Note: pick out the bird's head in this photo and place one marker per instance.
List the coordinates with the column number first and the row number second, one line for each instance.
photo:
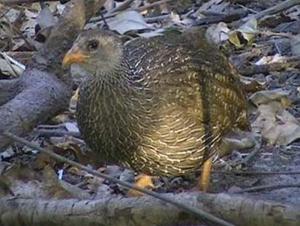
column 95, row 51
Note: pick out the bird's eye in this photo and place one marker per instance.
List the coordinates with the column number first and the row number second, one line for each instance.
column 92, row 45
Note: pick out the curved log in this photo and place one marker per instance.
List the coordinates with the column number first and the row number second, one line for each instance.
column 42, row 90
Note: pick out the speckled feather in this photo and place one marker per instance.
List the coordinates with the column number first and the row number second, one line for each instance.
column 164, row 106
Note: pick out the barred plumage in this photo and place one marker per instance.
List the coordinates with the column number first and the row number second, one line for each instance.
column 160, row 105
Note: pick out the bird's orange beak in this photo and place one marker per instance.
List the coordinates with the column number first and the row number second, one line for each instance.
column 74, row 56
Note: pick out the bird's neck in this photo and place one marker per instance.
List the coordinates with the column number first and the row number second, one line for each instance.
column 116, row 86
column 116, row 100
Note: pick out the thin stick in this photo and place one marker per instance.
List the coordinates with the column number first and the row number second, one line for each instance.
column 268, row 187
column 56, row 133
column 157, row 18
column 121, row 7
column 15, row 2
column 189, row 209
column 256, row 173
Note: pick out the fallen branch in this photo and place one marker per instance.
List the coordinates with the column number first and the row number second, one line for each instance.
column 125, row 5
column 270, row 11
column 290, row 62
column 277, row 8
column 56, row 132
column 226, row 18
column 42, row 90
column 145, row 211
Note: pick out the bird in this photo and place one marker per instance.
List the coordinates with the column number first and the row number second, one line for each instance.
column 159, row 105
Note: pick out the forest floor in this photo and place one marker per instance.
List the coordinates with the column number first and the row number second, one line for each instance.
column 264, row 49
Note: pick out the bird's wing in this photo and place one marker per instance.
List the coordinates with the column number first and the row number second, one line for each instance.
column 186, row 67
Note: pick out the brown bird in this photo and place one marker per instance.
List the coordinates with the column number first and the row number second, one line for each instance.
column 159, row 105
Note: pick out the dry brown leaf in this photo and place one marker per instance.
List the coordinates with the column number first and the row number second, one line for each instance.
column 276, row 124
column 128, row 21
column 267, row 96
column 230, row 144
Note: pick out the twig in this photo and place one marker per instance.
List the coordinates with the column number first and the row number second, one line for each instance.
column 121, row 7
column 246, row 8
column 14, row 2
column 56, row 132
column 16, row 67
column 227, row 18
column 256, row 173
column 197, row 212
column 156, row 18
column 270, row 33
column 58, row 126
column 277, row 8
column 18, row 64
column 273, row 10
column 289, row 62
column 268, row 187
column 105, row 25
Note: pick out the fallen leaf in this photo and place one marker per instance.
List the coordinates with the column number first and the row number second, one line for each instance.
column 267, row 96
column 217, row 33
column 244, row 34
column 128, row 21
column 230, row 144
column 276, row 124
